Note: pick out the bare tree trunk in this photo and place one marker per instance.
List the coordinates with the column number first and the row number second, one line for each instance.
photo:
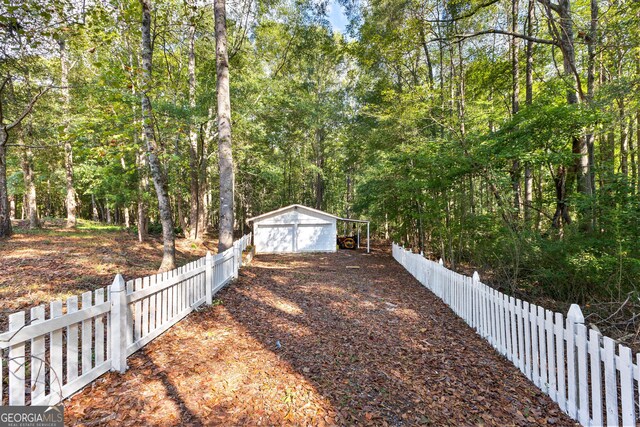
column 515, row 105
column 624, row 142
column 12, row 207
column 225, row 235
column 528, row 173
column 632, row 157
column 143, row 188
column 107, row 212
column 5, row 216
column 195, row 225
column 30, row 188
column 94, row 209
column 157, row 173
column 591, row 79
column 638, row 151
column 70, row 199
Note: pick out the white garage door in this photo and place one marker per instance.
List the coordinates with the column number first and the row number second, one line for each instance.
column 274, row 238
column 316, row 237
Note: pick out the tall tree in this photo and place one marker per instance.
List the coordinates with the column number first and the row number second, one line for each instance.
column 70, row 199
column 5, row 128
column 225, row 155
column 157, row 172
column 196, row 178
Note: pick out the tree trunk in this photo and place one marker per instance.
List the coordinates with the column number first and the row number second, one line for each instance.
column 107, row 212
column 561, row 214
column 94, row 209
column 225, row 235
column 5, row 215
column 624, row 143
column 515, row 105
column 528, row 173
column 157, row 173
column 195, row 226
column 143, row 188
column 638, row 151
column 591, row 79
column 30, row 188
column 70, row 199
column 579, row 144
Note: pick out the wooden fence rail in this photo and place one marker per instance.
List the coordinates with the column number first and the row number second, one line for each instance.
column 576, row 366
column 54, row 353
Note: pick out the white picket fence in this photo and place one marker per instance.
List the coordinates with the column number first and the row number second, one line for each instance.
column 577, row 367
column 49, row 357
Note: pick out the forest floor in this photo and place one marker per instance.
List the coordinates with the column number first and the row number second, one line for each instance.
column 42, row 265
column 333, row 339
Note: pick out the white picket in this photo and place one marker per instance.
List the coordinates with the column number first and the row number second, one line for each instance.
column 561, row 396
column 551, row 355
column 513, row 326
column 38, row 354
column 626, row 386
column 87, row 335
column 572, row 375
column 526, row 323
column 535, row 354
column 596, row 378
column 145, row 309
column 16, row 362
column 542, row 348
column 153, row 318
column 610, row 382
column 55, row 353
column 72, row 341
column 99, row 330
column 583, row 381
column 520, row 335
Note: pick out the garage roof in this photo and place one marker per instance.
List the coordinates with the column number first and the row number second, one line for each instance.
column 294, row 206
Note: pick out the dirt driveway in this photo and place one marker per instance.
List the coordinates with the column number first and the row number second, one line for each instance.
column 336, row 339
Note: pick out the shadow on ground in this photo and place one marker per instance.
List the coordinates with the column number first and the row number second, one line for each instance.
column 331, row 339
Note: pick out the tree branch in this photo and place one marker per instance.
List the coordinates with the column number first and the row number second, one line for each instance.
column 27, row 109
column 465, row 15
column 461, row 37
column 550, row 5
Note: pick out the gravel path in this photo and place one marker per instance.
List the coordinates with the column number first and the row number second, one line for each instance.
column 323, row 339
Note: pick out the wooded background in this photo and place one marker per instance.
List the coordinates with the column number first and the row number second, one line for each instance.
column 502, row 135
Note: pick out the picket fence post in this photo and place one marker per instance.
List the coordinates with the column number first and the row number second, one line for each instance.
column 118, row 322
column 208, row 277
column 574, row 318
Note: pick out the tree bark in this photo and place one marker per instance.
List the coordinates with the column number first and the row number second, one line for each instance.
column 94, row 209
column 195, row 222
column 225, row 155
column 143, row 188
column 528, row 173
column 5, row 210
column 515, row 105
column 157, row 173
column 30, row 188
column 624, row 142
column 70, row 199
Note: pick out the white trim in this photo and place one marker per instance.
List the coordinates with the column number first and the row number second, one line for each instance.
column 294, row 206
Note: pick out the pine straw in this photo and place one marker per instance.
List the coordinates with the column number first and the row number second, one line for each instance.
column 367, row 346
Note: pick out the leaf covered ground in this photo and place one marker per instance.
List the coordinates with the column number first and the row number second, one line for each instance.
column 39, row 266
column 335, row 339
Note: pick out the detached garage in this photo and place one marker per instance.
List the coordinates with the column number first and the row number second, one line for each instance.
column 294, row 229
